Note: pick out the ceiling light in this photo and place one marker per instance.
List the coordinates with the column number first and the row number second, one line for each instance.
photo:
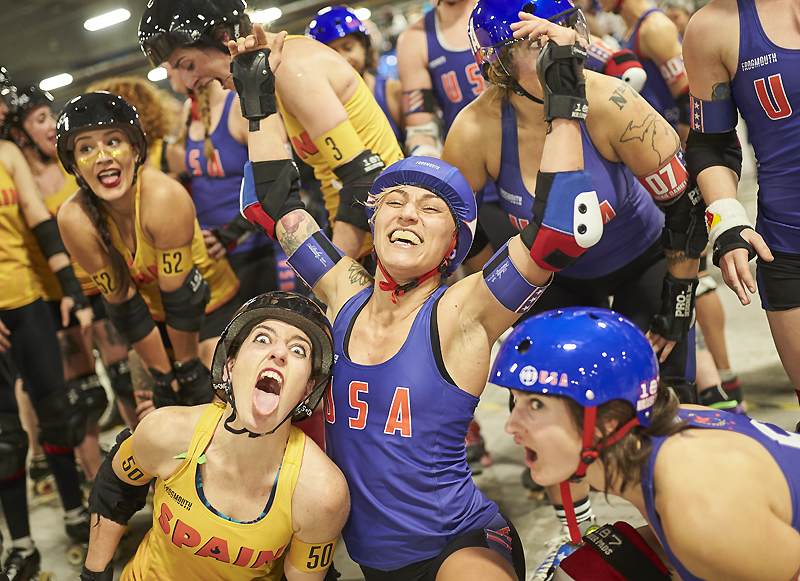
column 363, row 13
column 157, row 74
column 104, row 20
column 56, row 82
column 265, row 16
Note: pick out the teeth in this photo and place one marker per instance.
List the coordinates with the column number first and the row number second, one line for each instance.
column 405, row 236
column 271, row 375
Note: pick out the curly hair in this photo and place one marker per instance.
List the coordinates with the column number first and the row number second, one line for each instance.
column 150, row 103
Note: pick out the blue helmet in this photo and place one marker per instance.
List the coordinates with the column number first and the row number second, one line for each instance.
column 445, row 181
column 589, row 355
column 490, row 24
column 335, row 22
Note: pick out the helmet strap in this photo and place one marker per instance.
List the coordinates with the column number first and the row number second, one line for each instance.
column 399, row 290
column 518, row 90
column 617, row 7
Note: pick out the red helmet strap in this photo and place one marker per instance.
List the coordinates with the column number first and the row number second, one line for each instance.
column 399, row 290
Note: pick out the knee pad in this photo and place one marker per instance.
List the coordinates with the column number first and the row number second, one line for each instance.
column 13, row 446
column 62, row 421
column 685, row 390
column 90, row 396
column 120, row 375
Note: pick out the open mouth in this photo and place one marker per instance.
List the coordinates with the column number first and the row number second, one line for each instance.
column 267, row 393
column 530, row 457
column 404, row 237
column 109, row 178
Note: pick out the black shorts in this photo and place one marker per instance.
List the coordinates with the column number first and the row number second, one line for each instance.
column 779, row 282
column 95, row 301
column 214, row 322
column 499, row 535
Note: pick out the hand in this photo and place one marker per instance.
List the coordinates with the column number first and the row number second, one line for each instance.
column 735, row 267
column 256, row 41
column 85, row 318
column 67, row 303
column 660, row 344
column 5, row 344
column 543, row 30
column 213, row 246
column 145, row 405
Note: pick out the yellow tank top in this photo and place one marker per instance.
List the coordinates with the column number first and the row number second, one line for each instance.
column 189, row 541
column 155, row 154
column 47, row 280
column 373, row 128
column 18, row 286
column 144, row 272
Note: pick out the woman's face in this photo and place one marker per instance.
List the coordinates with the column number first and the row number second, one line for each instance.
column 41, row 128
column 544, row 426
column 105, row 159
column 413, row 230
column 271, row 374
column 3, row 110
column 353, row 49
column 199, row 66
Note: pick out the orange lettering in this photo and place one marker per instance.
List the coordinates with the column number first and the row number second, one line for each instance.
column 163, row 520
column 330, row 411
column 360, row 421
column 303, row 145
column 185, row 536
column 267, row 557
column 215, row 166
column 245, row 554
column 399, row 414
column 215, row 548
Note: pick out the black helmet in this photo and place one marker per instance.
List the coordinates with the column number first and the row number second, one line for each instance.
column 27, row 100
column 295, row 310
column 93, row 110
column 8, row 92
column 168, row 24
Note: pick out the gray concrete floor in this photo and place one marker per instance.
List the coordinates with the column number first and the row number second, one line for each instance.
column 752, row 355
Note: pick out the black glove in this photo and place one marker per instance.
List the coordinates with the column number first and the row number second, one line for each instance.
column 677, row 308
column 231, row 233
column 255, row 83
column 194, row 381
column 560, row 70
column 106, row 575
column 72, row 288
column 163, row 394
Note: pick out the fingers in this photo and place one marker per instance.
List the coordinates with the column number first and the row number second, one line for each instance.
column 533, row 27
column 668, row 347
column 736, row 274
column 66, row 308
column 276, row 50
column 85, row 318
column 758, row 243
column 657, row 342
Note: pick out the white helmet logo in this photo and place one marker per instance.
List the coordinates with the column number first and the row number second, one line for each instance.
column 528, row 375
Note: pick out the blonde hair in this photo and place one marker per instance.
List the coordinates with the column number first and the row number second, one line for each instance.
column 150, row 103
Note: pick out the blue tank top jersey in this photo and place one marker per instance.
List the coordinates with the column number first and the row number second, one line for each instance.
column 396, row 430
column 631, row 220
column 655, row 89
column 457, row 81
column 766, row 89
column 216, row 185
column 784, row 448
column 380, row 97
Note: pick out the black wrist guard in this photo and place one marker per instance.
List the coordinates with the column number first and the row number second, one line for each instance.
column 732, row 239
column 49, row 238
column 560, row 70
column 676, row 316
column 72, row 288
column 106, row 574
column 185, row 307
column 163, row 394
column 194, row 382
column 357, row 176
column 233, row 232
column 112, row 498
column 255, row 83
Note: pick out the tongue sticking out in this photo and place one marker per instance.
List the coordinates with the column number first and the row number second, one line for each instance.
column 265, row 402
column 110, row 179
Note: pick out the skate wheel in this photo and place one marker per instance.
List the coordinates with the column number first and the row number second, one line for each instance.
column 76, row 555
column 46, row 576
column 44, row 488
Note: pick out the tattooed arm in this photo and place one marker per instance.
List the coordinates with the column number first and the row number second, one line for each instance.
column 348, row 276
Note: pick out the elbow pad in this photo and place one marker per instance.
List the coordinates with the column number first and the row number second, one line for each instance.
column 185, row 307
column 270, row 190
column 49, row 238
column 704, row 150
column 131, row 318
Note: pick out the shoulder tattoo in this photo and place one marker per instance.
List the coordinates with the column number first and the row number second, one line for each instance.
column 358, row 275
column 721, row 91
column 646, row 132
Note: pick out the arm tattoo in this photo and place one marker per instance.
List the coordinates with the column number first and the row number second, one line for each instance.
column 618, row 97
column 721, row 91
column 358, row 275
column 297, row 226
column 647, row 132
column 676, row 257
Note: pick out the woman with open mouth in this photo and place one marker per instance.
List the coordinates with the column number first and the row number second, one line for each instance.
column 235, row 481
column 133, row 229
column 606, row 418
column 412, row 354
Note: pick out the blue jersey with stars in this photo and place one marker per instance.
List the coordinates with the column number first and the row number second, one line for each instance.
column 631, row 220
column 766, row 89
column 396, row 430
column 655, row 89
column 784, row 448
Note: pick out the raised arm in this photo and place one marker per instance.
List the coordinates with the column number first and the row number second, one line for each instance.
column 714, row 156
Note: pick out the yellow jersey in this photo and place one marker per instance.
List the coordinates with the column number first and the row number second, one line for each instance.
column 369, row 121
column 18, row 286
column 190, row 541
column 51, row 289
column 144, row 269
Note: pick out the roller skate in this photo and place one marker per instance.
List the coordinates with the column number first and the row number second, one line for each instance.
column 477, row 455
column 78, row 527
column 43, row 483
column 23, row 565
column 717, row 398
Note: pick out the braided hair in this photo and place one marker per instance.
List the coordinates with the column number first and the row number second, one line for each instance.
column 92, row 205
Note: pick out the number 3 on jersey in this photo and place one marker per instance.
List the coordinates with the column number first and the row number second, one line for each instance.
column 452, row 88
column 398, row 418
